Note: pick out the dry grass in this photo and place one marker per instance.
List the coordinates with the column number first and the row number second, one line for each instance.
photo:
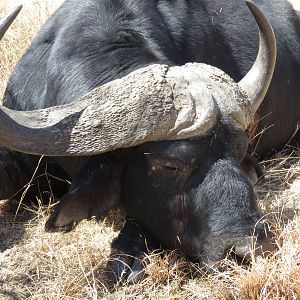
column 18, row 38
column 39, row 265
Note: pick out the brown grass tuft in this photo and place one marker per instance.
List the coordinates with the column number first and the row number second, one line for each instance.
column 276, row 277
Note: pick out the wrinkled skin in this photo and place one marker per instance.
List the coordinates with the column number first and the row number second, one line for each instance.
column 193, row 194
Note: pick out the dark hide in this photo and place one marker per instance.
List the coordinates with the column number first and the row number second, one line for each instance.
column 203, row 198
column 194, row 194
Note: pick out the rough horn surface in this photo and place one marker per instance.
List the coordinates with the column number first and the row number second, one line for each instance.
column 150, row 104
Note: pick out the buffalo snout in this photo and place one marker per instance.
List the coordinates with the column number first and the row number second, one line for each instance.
column 259, row 244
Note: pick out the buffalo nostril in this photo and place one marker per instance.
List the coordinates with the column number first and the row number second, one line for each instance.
column 265, row 248
column 261, row 231
column 244, row 251
column 260, row 244
column 264, row 245
column 241, row 248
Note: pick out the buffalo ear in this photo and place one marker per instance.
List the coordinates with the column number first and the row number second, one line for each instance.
column 93, row 193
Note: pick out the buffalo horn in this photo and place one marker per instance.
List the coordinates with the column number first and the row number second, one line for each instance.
column 137, row 108
column 151, row 104
column 6, row 21
column 256, row 82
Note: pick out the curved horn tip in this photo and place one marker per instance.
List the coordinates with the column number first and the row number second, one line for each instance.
column 16, row 10
column 256, row 82
column 8, row 19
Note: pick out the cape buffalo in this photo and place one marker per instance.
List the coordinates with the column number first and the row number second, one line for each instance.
column 168, row 141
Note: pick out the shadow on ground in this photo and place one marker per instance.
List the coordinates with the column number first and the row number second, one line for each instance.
column 12, row 224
